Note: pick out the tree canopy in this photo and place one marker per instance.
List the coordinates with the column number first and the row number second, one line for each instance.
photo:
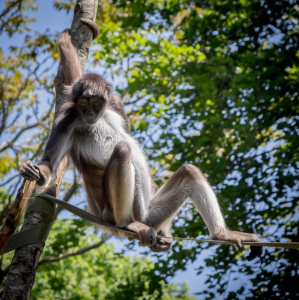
column 212, row 83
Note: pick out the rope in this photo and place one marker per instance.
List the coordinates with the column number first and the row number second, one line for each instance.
column 84, row 214
column 39, row 233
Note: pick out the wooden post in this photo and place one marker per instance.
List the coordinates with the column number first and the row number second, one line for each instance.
column 20, row 278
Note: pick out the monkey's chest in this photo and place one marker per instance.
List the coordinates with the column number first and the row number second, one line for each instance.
column 94, row 146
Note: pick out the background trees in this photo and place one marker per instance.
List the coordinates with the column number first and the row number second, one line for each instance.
column 213, row 83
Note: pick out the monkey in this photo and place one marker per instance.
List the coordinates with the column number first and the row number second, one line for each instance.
column 92, row 127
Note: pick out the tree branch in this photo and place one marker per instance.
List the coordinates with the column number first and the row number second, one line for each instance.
column 51, row 259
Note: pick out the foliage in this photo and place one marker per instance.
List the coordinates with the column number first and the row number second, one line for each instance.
column 97, row 274
column 12, row 17
column 215, row 83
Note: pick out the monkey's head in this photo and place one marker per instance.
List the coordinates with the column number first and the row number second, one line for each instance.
column 91, row 95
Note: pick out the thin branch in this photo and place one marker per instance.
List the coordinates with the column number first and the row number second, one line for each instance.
column 50, row 259
column 9, row 7
column 25, row 128
column 72, row 253
column 9, row 180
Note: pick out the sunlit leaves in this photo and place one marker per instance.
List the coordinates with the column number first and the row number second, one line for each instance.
column 231, row 108
column 15, row 17
column 97, row 274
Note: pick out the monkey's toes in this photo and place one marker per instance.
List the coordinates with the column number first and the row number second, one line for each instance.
column 238, row 238
column 147, row 237
column 162, row 245
column 255, row 251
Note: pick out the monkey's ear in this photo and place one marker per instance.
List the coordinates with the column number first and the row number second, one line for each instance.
column 108, row 89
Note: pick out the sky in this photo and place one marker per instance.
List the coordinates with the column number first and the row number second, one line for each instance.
column 47, row 16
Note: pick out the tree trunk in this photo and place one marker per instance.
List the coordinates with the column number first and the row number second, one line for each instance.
column 20, row 278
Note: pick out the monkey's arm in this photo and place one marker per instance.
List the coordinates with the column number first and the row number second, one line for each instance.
column 117, row 105
column 57, row 146
column 69, row 61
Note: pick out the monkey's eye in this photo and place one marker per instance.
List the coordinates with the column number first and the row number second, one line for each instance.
column 82, row 102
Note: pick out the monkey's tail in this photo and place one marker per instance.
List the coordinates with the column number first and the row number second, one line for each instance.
column 68, row 58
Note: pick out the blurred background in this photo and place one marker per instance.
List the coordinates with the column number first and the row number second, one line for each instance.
column 211, row 83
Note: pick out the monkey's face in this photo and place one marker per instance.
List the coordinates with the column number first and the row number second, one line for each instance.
column 91, row 108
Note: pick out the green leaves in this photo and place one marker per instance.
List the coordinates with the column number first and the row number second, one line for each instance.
column 15, row 16
column 215, row 84
column 100, row 273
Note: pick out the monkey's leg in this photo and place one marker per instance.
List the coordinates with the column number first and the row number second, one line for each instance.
column 122, row 206
column 189, row 182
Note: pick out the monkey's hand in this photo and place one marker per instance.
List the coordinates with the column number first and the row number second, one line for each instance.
column 163, row 243
column 237, row 238
column 32, row 172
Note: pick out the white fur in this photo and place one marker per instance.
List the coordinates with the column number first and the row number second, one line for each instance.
column 116, row 122
column 122, row 200
column 106, row 134
column 206, row 203
column 202, row 196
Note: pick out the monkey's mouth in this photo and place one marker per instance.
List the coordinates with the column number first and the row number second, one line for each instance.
column 90, row 120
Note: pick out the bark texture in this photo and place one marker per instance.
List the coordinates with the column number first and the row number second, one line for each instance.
column 16, row 213
column 20, row 278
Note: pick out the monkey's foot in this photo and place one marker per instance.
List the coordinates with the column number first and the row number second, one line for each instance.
column 237, row 238
column 147, row 236
column 163, row 244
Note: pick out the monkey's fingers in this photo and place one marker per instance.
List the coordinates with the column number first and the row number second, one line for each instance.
column 147, row 237
column 32, row 170
column 29, row 172
column 42, row 177
column 27, row 176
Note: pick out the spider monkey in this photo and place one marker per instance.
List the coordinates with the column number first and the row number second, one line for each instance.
column 92, row 127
